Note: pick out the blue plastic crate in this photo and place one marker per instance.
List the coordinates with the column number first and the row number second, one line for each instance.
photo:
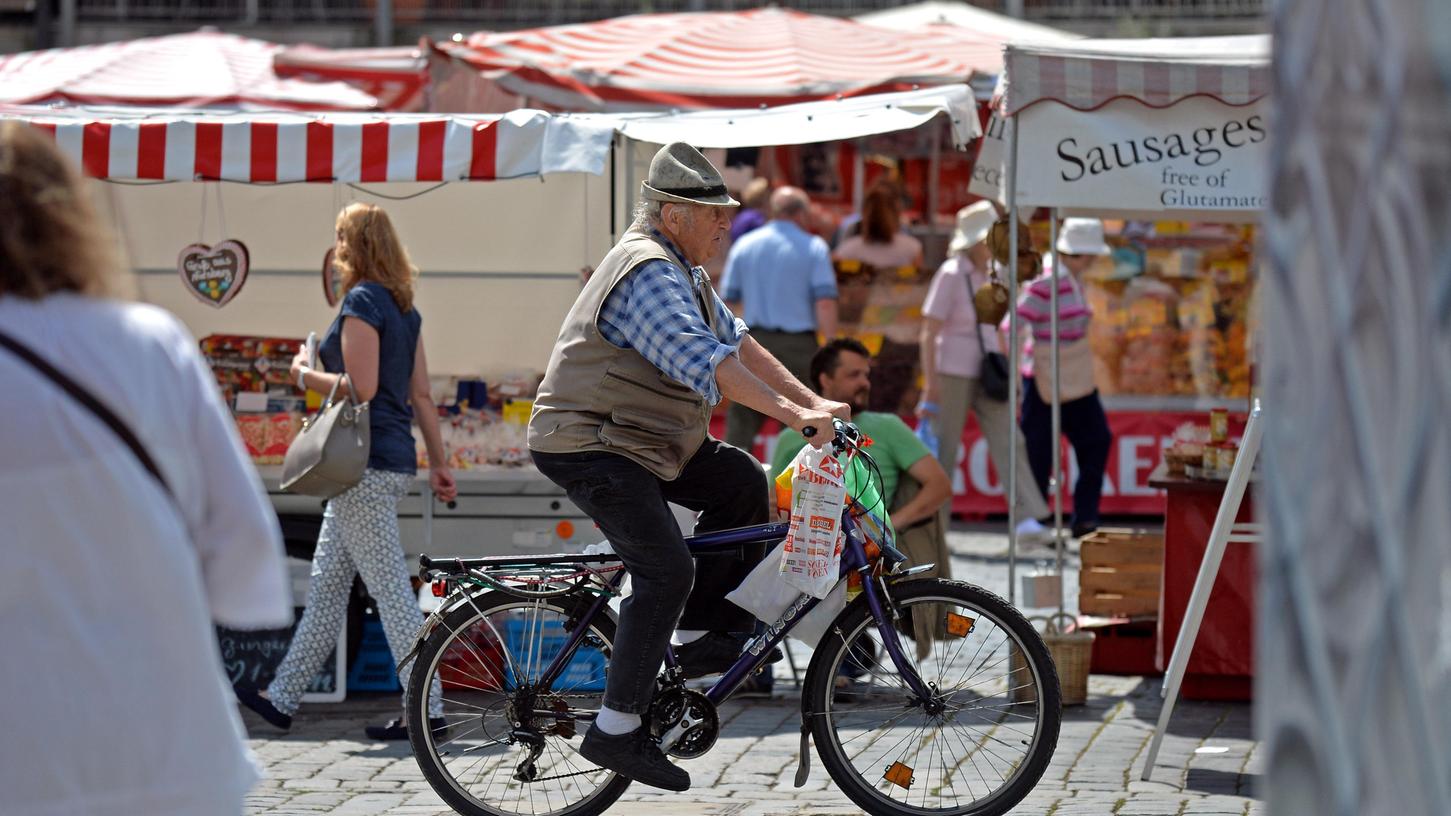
column 373, row 669
column 585, row 672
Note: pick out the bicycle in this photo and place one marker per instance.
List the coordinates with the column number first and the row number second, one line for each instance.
column 522, row 644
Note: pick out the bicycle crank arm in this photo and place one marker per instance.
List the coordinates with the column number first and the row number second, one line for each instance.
column 671, row 737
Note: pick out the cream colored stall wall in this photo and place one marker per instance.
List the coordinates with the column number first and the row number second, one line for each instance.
column 499, row 260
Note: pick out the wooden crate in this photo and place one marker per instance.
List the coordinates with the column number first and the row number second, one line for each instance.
column 1121, row 573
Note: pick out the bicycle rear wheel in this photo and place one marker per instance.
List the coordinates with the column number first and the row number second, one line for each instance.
column 982, row 741
column 508, row 746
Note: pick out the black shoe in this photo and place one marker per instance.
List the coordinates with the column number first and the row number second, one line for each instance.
column 396, row 730
column 263, row 707
column 1083, row 528
column 712, row 654
column 634, row 756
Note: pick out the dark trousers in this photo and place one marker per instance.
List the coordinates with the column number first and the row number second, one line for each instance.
column 727, row 487
column 794, row 350
column 1086, row 426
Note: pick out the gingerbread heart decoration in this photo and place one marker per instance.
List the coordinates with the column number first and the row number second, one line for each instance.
column 214, row 274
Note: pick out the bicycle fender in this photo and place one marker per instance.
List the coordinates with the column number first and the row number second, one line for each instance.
column 803, row 766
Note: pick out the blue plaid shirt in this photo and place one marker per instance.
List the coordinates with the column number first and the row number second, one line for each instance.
column 653, row 311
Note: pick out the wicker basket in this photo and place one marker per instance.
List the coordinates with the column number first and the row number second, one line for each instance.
column 1071, row 650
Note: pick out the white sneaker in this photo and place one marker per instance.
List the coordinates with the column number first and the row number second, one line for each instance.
column 1031, row 532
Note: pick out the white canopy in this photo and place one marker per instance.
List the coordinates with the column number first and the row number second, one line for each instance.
column 1156, row 126
column 807, row 122
column 988, row 25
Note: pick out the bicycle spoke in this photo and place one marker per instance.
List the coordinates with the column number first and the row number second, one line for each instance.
column 495, row 653
column 972, row 738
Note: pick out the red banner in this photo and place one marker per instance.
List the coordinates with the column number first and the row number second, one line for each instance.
column 1139, row 438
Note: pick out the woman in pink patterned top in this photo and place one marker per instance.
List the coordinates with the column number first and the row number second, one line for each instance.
column 1083, row 420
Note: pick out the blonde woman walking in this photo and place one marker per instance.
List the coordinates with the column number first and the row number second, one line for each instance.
column 375, row 342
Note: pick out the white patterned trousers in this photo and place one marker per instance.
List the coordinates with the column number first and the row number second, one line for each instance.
column 359, row 536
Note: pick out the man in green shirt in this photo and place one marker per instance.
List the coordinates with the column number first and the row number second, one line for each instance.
column 839, row 371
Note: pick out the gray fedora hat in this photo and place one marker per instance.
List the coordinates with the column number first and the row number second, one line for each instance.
column 681, row 174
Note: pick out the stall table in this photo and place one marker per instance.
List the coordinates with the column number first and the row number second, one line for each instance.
column 1221, row 666
column 500, row 511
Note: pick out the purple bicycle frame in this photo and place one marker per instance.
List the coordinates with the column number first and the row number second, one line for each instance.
column 853, row 558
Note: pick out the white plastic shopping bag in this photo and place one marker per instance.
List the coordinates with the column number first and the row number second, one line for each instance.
column 765, row 595
column 811, row 553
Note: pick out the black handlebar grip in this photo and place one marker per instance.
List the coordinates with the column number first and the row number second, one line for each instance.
column 425, row 562
column 808, row 432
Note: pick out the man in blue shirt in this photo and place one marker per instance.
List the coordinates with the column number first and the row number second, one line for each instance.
column 782, row 275
column 621, row 423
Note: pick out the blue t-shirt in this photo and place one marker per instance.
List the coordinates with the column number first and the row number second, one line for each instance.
column 778, row 272
column 392, row 418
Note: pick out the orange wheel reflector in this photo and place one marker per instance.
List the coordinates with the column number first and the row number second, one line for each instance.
column 440, row 589
column 899, row 775
column 959, row 625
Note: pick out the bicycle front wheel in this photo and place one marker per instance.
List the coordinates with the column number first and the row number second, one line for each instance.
column 982, row 740
column 507, row 745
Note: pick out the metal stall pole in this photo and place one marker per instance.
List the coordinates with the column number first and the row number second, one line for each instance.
column 934, row 184
column 858, row 175
column 1013, row 355
column 629, row 146
column 1055, row 480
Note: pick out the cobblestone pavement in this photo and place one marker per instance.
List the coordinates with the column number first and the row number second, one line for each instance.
column 1208, row 764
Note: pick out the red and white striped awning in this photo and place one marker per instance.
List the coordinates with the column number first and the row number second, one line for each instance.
column 767, row 56
column 343, row 147
column 396, row 77
column 1088, row 74
column 194, row 70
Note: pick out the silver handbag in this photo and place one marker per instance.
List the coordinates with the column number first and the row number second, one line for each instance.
column 330, row 453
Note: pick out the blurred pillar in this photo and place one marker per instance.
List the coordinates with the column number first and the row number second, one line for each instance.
column 1354, row 629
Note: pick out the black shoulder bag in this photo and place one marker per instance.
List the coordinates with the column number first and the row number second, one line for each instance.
column 992, row 374
column 84, row 398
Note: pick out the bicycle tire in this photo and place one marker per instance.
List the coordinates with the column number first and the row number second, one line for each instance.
column 822, row 690
column 462, row 619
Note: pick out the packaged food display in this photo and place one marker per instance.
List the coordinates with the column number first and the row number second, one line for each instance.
column 245, row 364
column 1172, row 313
column 251, row 364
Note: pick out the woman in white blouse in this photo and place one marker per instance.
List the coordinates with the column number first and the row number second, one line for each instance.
column 110, row 578
column 952, row 348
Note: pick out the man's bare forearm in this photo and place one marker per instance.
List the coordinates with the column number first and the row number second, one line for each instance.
column 738, row 383
column 769, row 370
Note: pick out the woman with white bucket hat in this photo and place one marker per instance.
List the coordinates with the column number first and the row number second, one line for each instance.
column 1080, row 243
column 953, row 344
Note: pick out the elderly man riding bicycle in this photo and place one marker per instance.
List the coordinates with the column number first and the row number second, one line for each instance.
column 620, row 423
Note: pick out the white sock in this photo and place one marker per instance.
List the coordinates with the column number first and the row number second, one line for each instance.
column 614, row 722
column 684, row 636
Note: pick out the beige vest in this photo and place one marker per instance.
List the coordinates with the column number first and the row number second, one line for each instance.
column 599, row 397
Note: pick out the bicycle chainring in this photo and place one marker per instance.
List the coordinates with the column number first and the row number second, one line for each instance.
column 688, row 719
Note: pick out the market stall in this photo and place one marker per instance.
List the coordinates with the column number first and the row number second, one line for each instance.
column 881, row 310
column 226, row 218
column 1143, row 131
column 1165, row 140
